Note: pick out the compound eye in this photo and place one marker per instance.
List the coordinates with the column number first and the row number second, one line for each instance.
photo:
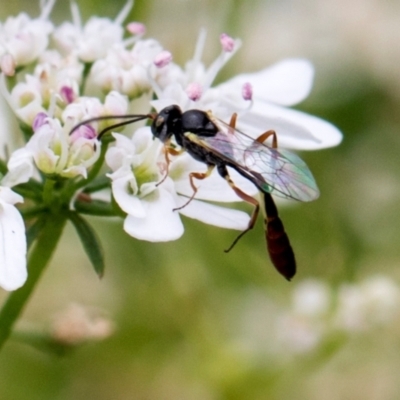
column 159, row 121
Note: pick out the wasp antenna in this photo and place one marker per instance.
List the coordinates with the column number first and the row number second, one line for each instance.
column 111, row 127
column 131, row 117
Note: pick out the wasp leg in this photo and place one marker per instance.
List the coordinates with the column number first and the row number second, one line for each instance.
column 262, row 138
column 278, row 244
column 196, row 175
column 168, row 150
column 232, row 123
column 249, row 199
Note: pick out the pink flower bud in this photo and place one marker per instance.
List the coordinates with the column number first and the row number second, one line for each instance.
column 194, row 91
column 39, row 121
column 247, row 91
column 84, row 131
column 67, row 94
column 136, row 28
column 162, row 59
column 227, row 43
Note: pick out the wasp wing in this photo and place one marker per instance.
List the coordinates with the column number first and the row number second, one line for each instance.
column 279, row 172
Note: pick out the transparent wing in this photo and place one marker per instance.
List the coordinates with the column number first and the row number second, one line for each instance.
column 279, row 172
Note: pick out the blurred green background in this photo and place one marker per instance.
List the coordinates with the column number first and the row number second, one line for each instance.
column 194, row 323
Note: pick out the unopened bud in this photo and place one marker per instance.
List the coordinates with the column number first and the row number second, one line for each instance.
column 227, row 43
column 163, row 59
column 39, row 120
column 247, row 91
column 84, row 131
column 67, row 94
column 136, row 28
column 194, row 91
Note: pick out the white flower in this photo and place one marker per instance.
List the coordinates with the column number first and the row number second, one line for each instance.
column 92, row 41
column 127, row 71
column 12, row 241
column 25, row 98
column 372, row 302
column 311, row 298
column 138, row 167
column 298, row 333
column 284, row 84
column 24, row 39
column 60, row 75
column 190, row 88
column 89, row 107
column 54, row 151
column 302, row 327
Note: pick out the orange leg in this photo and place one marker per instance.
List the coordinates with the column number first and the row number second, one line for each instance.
column 278, row 244
column 245, row 197
column 233, row 120
column 196, row 175
column 262, row 138
column 168, row 150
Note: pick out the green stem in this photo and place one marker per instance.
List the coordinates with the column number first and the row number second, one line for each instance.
column 95, row 207
column 38, row 259
column 48, row 191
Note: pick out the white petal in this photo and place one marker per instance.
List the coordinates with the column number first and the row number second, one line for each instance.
column 295, row 129
column 10, row 197
column 215, row 215
column 286, row 83
column 172, row 94
column 160, row 224
column 13, row 272
column 116, row 156
column 20, row 168
column 115, row 104
column 128, row 202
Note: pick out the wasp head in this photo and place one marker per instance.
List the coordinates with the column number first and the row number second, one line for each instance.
column 167, row 123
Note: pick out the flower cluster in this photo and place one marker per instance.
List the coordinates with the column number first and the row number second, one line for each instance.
column 318, row 317
column 55, row 77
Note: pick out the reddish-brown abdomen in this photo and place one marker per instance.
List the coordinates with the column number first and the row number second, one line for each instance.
column 279, row 248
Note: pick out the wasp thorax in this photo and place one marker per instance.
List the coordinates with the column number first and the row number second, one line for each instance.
column 198, row 122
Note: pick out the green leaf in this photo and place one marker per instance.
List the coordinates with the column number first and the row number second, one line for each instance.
column 90, row 242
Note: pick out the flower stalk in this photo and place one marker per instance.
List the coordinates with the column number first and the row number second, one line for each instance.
column 39, row 258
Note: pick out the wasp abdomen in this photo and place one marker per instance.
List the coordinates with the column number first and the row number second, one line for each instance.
column 279, row 248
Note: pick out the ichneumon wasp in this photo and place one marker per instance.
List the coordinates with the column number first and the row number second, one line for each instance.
column 220, row 145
